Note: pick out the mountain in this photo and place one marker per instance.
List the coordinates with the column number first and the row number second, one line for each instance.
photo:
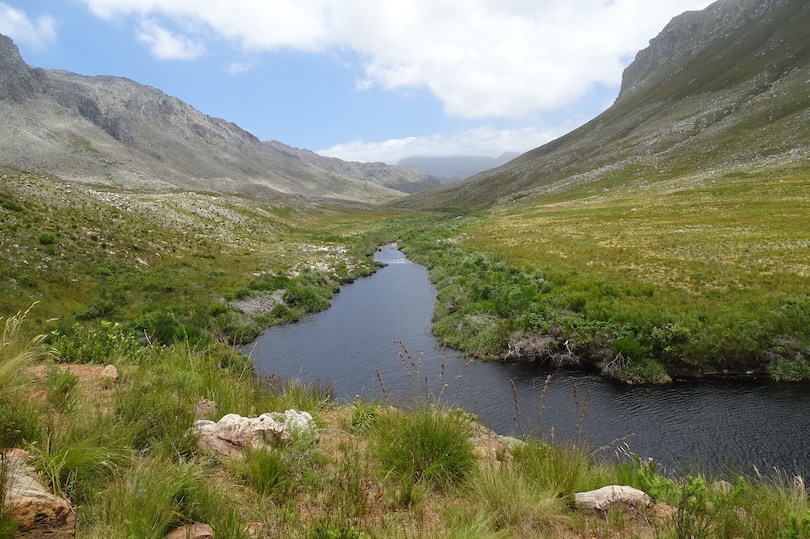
column 718, row 91
column 114, row 131
column 450, row 169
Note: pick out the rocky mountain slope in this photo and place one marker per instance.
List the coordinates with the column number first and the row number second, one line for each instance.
column 109, row 130
column 719, row 91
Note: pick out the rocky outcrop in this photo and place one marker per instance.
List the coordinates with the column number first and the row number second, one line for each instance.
column 18, row 82
column 233, row 433
column 612, row 496
column 687, row 36
column 40, row 513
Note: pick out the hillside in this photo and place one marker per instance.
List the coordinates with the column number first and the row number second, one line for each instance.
column 665, row 238
column 719, row 91
column 116, row 132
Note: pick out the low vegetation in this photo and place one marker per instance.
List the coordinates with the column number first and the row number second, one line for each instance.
column 122, row 451
column 640, row 281
column 161, row 286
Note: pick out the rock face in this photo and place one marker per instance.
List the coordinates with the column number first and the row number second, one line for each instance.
column 114, row 131
column 687, row 36
column 233, row 433
column 40, row 513
column 614, row 495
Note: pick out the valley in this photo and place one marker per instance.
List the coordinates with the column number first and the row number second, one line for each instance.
column 663, row 245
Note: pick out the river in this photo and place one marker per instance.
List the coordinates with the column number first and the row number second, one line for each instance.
column 378, row 329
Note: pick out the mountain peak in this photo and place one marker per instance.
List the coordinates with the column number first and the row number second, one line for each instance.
column 18, row 82
column 685, row 39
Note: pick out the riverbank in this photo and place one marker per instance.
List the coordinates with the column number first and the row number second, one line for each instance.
column 121, row 448
column 620, row 325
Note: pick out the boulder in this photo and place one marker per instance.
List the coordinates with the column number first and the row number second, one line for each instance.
column 110, row 373
column 606, row 497
column 232, row 433
column 40, row 513
column 192, row 531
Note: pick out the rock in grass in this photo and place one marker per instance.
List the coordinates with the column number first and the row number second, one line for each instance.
column 614, row 495
column 193, row 531
column 39, row 512
column 204, row 408
column 110, row 373
column 233, row 433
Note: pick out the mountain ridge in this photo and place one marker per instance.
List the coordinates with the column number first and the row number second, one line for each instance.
column 114, row 131
column 733, row 97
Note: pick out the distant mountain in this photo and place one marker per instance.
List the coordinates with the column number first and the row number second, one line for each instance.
column 450, row 169
column 114, row 131
column 718, row 91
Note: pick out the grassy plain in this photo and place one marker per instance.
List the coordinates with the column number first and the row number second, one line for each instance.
column 692, row 275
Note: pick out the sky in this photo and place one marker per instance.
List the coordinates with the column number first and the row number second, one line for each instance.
column 362, row 80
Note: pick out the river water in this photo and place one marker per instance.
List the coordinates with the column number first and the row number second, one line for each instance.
column 378, row 330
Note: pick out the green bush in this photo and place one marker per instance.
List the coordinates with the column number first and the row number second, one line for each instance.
column 97, row 309
column 95, row 345
column 363, row 415
column 47, row 238
column 783, row 370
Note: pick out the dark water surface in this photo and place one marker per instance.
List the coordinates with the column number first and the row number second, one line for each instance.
column 710, row 424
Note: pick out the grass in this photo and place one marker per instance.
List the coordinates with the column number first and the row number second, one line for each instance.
column 703, row 274
column 428, row 445
column 122, row 454
column 150, row 283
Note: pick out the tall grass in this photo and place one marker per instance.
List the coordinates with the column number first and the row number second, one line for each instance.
column 16, row 355
column 509, row 499
column 427, row 445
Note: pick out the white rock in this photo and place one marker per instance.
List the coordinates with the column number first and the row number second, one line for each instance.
column 232, row 433
column 606, row 497
column 39, row 512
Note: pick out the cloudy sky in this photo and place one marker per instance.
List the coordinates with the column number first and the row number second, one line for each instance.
column 363, row 80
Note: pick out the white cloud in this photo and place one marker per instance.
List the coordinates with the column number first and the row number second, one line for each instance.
column 167, row 46
column 16, row 24
column 482, row 141
column 237, row 68
column 482, row 58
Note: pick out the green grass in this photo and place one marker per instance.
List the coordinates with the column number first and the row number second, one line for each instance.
column 705, row 275
column 428, row 445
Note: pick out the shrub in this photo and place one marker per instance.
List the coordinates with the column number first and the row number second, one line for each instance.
column 783, row 370
column 47, row 238
column 97, row 309
column 95, row 345
column 425, row 445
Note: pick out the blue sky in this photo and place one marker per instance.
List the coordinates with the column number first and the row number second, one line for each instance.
column 363, row 80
